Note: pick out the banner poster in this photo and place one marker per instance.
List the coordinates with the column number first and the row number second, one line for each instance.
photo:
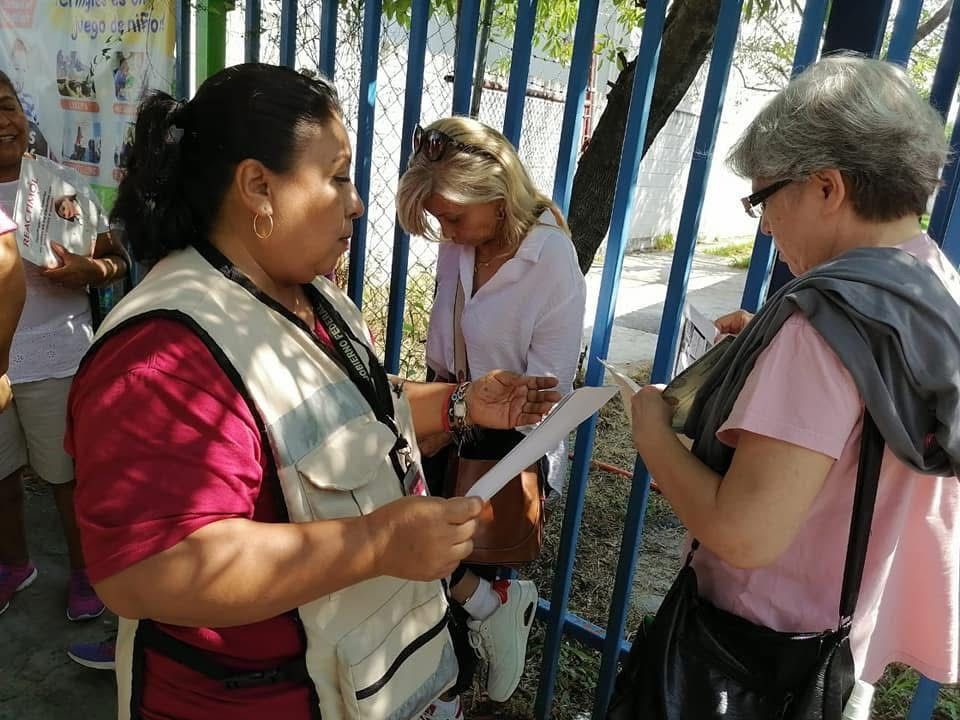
column 80, row 68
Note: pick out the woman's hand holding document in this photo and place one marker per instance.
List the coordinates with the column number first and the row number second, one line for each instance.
column 568, row 414
column 700, row 345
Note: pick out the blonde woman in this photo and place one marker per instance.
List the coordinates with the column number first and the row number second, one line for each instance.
column 509, row 248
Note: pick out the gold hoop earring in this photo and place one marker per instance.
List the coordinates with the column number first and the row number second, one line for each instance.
column 256, row 230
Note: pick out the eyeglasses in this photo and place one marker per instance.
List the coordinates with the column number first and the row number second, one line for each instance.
column 434, row 144
column 750, row 202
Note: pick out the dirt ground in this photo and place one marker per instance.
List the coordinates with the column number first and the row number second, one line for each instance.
column 37, row 679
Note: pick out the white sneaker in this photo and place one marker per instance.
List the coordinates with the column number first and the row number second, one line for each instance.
column 501, row 639
column 443, row 710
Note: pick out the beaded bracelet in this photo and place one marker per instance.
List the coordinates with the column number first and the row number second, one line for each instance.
column 458, row 424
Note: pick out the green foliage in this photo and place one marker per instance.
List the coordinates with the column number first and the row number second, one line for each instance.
column 761, row 8
column 738, row 253
column 664, row 241
column 895, row 690
column 416, row 319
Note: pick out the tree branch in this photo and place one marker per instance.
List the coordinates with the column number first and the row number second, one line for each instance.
column 932, row 23
column 748, row 86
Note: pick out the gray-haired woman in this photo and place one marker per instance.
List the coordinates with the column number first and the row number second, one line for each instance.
column 843, row 162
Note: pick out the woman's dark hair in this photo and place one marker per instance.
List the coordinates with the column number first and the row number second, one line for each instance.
column 6, row 82
column 184, row 153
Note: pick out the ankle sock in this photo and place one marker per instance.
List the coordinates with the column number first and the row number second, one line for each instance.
column 484, row 602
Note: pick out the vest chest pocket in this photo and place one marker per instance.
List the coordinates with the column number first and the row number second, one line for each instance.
column 350, row 474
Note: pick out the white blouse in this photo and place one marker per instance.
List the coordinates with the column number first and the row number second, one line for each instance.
column 527, row 318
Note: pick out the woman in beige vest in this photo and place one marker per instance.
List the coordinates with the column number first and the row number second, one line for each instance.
column 247, row 473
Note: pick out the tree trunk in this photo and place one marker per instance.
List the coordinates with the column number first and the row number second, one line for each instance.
column 932, row 23
column 687, row 40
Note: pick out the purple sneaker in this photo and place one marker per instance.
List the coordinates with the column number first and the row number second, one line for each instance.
column 13, row 579
column 82, row 601
column 94, row 655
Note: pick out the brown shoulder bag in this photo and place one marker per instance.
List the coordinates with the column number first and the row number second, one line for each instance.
column 510, row 529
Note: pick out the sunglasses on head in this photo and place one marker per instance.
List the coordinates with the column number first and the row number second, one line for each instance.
column 434, row 144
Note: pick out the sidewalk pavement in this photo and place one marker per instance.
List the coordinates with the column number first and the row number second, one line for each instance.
column 714, row 288
column 37, row 679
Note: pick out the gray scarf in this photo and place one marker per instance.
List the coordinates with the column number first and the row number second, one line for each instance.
column 895, row 327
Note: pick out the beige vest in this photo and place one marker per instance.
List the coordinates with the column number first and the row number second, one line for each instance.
column 377, row 650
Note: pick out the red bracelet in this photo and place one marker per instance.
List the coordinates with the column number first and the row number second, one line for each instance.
column 445, row 414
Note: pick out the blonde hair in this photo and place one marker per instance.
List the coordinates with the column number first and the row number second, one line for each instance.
column 472, row 178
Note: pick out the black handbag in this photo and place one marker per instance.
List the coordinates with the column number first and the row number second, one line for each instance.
column 694, row 661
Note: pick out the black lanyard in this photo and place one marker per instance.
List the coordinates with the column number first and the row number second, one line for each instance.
column 368, row 376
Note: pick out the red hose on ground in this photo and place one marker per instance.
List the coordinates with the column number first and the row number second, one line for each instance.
column 607, row 467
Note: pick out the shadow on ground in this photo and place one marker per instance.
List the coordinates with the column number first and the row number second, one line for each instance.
column 37, row 679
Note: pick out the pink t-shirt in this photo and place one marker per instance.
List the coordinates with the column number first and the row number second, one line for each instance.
column 799, row 392
column 164, row 445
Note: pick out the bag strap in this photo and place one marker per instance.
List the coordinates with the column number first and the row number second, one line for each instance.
column 461, row 367
column 864, row 500
column 865, row 496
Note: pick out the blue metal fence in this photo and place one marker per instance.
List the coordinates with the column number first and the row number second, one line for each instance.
column 945, row 226
column 363, row 153
column 401, row 241
column 636, row 130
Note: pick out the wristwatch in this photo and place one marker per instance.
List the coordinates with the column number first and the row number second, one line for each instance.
column 458, row 409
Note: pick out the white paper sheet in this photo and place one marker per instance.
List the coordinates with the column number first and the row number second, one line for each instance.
column 628, row 387
column 565, row 416
column 697, row 335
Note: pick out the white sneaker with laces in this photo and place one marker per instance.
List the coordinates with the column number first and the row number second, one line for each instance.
column 501, row 639
column 443, row 710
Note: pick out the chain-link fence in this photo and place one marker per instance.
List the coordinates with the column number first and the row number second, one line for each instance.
column 543, row 118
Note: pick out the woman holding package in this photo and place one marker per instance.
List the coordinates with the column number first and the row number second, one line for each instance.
column 55, row 330
column 247, row 473
column 860, row 350
column 509, row 294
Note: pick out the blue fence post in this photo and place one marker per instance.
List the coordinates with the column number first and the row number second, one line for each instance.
column 924, row 700
column 761, row 261
column 519, row 69
column 251, row 37
column 725, row 39
column 951, row 236
column 182, row 75
column 288, row 32
column 583, row 42
column 947, row 196
column 468, row 23
column 416, row 54
column 642, row 91
column 904, row 28
column 948, row 66
column 857, row 25
column 328, row 37
column 367, row 101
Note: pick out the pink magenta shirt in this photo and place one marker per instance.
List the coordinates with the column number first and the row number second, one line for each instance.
column 800, row 393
